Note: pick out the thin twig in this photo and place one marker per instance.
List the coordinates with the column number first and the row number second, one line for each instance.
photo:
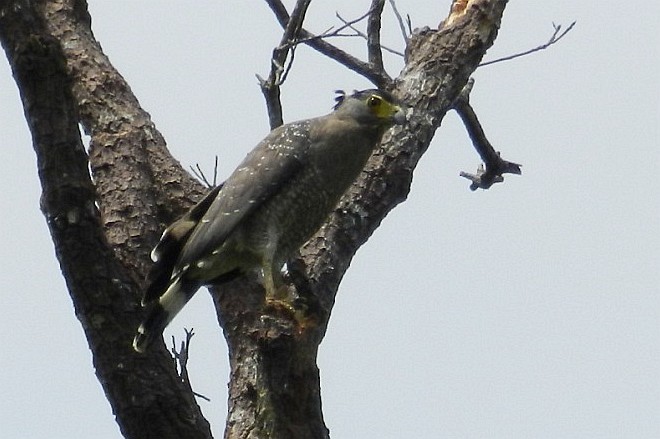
column 378, row 78
column 289, row 65
column 399, row 20
column 359, row 33
column 181, row 358
column 288, row 43
column 495, row 166
column 374, row 51
column 215, row 172
column 292, row 29
column 199, row 173
column 279, row 69
column 332, row 32
column 556, row 36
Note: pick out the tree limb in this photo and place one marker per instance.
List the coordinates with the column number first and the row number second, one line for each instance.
column 429, row 88
column 374, row 52
column 119, row 128
column 278, row 69
column 378, row 78
column 556, row 36
column 144, row 392
column 274, row 389
column 495, row 166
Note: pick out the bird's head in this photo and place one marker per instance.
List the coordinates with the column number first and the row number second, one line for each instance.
column 372, row 107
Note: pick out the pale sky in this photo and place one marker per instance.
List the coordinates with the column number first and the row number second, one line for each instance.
column 527, row 311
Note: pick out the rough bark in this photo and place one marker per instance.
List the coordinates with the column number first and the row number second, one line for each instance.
column 98, row 260
column 65, row 79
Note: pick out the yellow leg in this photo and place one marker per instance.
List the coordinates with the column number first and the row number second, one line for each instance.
column 275, row 288
column 278, row 297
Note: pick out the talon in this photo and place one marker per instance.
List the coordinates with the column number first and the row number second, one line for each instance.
column 298, row 315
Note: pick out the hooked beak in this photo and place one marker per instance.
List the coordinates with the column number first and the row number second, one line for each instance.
column 400, row 116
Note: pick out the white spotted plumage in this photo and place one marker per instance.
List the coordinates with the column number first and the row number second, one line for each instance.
column 268, row 207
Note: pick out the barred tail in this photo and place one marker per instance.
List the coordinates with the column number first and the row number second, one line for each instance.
column 162, row 311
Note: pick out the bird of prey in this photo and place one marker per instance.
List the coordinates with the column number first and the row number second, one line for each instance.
column 276, row 199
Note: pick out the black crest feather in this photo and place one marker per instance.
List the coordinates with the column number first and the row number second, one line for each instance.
column 359, row 94
column 341, row 94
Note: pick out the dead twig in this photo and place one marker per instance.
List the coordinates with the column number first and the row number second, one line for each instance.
column 199, row 174
column 336, row 32
column 556, row 36
column 495, row 166
column 181, row 361
column 399, row 20
column 373, row 42
column 271, row 87
column 378, row 77
column 359, row 33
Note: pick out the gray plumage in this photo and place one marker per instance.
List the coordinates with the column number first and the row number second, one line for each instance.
column 276, row 199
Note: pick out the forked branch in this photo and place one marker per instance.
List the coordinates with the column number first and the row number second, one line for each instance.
column 199, row 174
column 556, row 36
column 181, row 357
column 279, row 68
column 359, row 33
column 376, row 76
column 495, row 166
column 339, row 31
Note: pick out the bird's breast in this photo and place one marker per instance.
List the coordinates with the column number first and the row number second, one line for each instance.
column 290, row 217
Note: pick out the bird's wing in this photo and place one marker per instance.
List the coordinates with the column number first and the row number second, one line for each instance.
column 167, row 251
column 268, row 167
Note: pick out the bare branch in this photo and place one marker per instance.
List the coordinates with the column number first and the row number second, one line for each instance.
column 215, row 172
column 181, row 359
column 279, row 69
column 556, row 36
column 199, row 174
column 358, row 33
column 373, row 34
column 280, row 11
column 332, row 32
column 378, row 78
column 399, row 20
column 495, row 165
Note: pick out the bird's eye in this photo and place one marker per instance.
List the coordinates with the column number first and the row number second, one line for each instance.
column 373, row 101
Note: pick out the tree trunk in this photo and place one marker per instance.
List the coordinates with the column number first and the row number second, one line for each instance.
column 65, row 80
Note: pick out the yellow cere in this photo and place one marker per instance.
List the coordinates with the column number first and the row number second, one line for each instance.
column 380, row 107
